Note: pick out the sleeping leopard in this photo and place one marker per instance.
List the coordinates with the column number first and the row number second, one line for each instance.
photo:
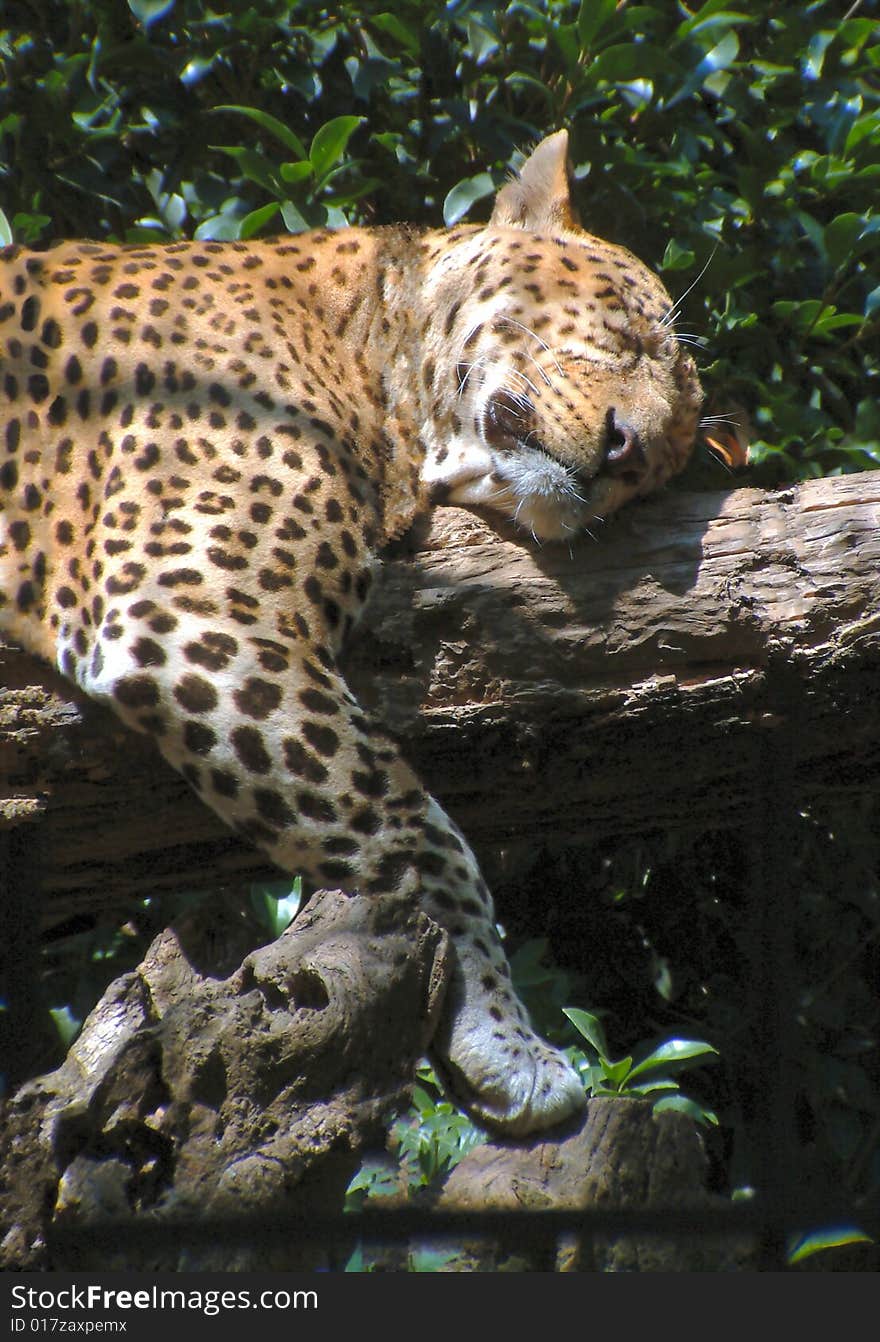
column 205, row 447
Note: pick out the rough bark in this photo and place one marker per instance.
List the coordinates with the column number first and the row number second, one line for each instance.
column 638, row 1175
column 623, row 1156
column 211, row 1120
column 620, row 687
column 626, row 686
column 207, row 1088
column 211, row 1114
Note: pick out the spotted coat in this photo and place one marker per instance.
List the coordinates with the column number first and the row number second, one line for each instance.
column 204, row 447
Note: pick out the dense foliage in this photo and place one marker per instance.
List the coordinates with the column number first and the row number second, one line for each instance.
column 737, row 149
column 745, row 143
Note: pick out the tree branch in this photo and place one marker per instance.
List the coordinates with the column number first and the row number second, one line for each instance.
column 621, row 687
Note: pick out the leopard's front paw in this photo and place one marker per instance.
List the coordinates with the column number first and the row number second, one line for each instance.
column 508, row 1078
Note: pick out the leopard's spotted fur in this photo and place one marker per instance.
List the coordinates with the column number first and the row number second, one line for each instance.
column 205, row 445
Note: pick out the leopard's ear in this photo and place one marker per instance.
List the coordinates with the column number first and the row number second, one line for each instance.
column 539, row 199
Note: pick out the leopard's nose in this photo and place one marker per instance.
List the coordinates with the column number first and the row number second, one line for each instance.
column 624, row 453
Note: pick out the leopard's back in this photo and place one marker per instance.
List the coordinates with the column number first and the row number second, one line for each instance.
column 176, row 418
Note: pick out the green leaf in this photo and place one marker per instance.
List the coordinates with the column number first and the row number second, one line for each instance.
column 592, row 17
column 328, row 144
column 617, row 1072
column 527, row 85
column 431, row 1260
column 589, row 1073
column 840, row 235
column 270, row 124
column 830, row 1238
column 464, row 194
column 565, row 35
column 422, row 1100
column 394, row 28
column 814, row 58
column 276, row 902
column 645, row 1088
column 66, row 1023
column 718, row 17
column 848, row 234
column 721, row 57
column 835, row 321
column 295, row 172
column 590, row 1027
column 356, row 1262
column 711, row 10
column 253, row 222
column 862, row 127
column 348, row 195
column 375, row 1179
column 333, row 217
column 674, row 1050
column 195, row 71
column 219, row 228
column 252, row 164
column 483, row 42
column 681, row 1104
column 148, row 12
column 677, row 257
column 294, row 220
column 28, row 227
column 627, row 61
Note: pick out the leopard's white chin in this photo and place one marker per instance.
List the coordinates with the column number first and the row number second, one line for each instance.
column 534, row 490
column 539, row 494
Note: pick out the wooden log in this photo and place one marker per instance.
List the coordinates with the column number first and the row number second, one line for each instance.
column 627, row 686
column 620, row 686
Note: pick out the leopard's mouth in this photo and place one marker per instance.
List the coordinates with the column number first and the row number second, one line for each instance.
column 542, row 495
column 513, row 468
column 547, row 495
column 510, row 424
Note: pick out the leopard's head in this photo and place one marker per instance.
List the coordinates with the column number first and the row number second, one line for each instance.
column 574, row 393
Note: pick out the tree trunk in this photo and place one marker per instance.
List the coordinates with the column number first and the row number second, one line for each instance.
column 628, row 686
column 624, row 1156
column 623, row 687
column 208, row 1090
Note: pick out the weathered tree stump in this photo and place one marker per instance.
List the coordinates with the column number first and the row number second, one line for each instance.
column 199, row 1095
column 623, row 1156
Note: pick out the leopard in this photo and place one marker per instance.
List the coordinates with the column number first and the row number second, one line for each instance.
column 207, row 448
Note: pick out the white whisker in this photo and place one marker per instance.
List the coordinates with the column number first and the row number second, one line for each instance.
column 507, row 373
column 708, row 420
column 699, row 342
column 673, row 312
column 534, row 335
column 515, row 372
